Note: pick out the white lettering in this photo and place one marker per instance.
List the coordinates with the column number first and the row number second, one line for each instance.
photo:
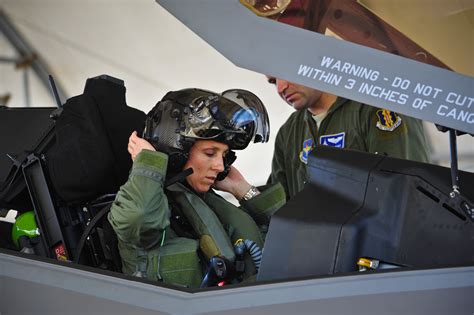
column 455, row 113
column 350, row 84
column 401, row 83
column 327, row 61
column 403, row 99
column 336, row 66
column 439, row 110
column 452, row 113
column 459, row 100
column 316, row 73
column 420, row 103
column 426, row 90
column 448, row 98
column 346, row 67
column 388, row 95
column 303, row 70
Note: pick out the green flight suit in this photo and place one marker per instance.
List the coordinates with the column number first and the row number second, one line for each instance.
column 140, row 216
column 348, row 124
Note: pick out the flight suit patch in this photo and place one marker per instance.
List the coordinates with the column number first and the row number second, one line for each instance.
column 387, row 120
column 336, row 140
column 307, row 148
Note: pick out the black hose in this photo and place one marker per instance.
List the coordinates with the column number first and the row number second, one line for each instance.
column 255, row 252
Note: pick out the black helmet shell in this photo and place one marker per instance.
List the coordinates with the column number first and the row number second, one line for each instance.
column 234, row 117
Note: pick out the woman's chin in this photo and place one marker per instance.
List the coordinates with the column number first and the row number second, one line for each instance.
column 202, row 188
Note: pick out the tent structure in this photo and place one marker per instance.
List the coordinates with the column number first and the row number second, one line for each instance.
column 141, row 43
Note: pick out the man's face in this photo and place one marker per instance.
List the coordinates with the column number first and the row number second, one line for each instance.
column 297, row 96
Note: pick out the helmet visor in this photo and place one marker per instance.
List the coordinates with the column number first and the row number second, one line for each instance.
column 254, row 109
column 235, row 118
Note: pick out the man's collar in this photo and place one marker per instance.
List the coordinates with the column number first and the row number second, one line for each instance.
column 336, row 105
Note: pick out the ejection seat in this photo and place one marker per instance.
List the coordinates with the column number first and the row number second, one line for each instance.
column 66, row 164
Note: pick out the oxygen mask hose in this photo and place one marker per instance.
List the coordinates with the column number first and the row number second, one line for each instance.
column 253, row 249
column 239, row 249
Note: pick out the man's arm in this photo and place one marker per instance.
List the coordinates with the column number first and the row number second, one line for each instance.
column 278, row 174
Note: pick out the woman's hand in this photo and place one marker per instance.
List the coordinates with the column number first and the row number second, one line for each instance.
column 234, row 183
column 137, row 144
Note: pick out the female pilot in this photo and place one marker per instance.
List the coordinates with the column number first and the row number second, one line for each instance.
column 170, row 224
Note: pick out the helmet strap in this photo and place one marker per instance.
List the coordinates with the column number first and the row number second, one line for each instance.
column 179, row 177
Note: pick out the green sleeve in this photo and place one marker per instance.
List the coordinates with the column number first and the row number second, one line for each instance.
column 140, row 212
column 264, row 205
column 278, row 174
column 405, row 141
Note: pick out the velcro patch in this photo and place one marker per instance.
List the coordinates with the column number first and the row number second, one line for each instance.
column 307, row 148
column 387, row 120
column 336, row 140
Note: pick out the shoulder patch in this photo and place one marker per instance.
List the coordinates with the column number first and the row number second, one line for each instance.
column 307, row 148
column 387, row 120
column 336, row 140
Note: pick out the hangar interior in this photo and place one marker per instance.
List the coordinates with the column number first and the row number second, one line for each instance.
column 141, row 43
column 144, row 45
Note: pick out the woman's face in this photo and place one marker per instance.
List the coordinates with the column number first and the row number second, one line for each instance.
column 206, row 158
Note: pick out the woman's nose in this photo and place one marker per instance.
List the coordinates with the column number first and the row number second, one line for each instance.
column 218, row 164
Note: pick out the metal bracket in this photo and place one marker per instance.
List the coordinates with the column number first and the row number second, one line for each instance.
column 45, row 211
